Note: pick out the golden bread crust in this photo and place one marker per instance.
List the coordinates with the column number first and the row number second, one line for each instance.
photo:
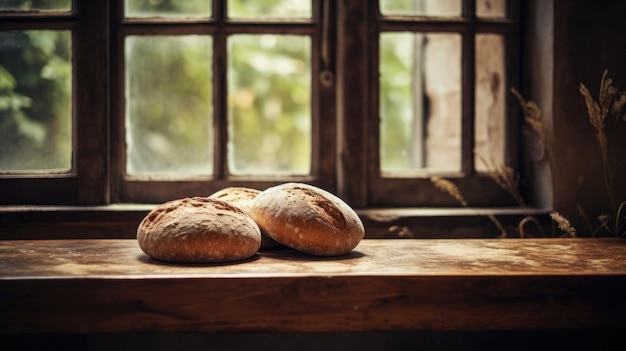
column 198, row 230
column 308, row 219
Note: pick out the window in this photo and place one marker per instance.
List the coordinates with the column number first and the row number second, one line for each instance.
column 53, row 102
column 142, row 101
column 441, row 99
column 235, row 101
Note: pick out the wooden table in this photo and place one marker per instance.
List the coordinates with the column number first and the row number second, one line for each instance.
column 92, row 286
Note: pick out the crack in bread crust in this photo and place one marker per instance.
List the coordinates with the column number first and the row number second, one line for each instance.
column 225, row 206
column 308, row 219
column 235, row 194
column 323, row 206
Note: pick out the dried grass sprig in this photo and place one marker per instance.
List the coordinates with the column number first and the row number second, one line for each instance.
column 605, row 220
column 534, row 118
column 611, row 100
column 609, row 106
column 496, row 223
column 529, row 219
column 619, row 218
column 580, row 209
column 505, row 177
column 401, row 231
column 452, row 190
column 583, row 214
column 563, row 223
column 449, row 188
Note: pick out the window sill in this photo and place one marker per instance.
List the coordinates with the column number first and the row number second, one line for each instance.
column 94, row 286
column 120, row 221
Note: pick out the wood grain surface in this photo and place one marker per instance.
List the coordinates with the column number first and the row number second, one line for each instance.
column 383, row 285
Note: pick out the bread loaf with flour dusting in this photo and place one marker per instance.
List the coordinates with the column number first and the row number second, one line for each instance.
column 243, row 197
column 198, row 229
column 308, row 219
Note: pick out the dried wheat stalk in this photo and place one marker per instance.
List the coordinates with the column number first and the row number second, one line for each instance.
column 451, row 189
column 563, row 224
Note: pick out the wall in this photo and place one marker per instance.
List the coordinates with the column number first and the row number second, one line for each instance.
column 538, row 61
column 590, row 36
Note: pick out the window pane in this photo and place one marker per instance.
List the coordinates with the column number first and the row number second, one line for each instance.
column 491, row 8
column 434, row 8
column 36, row 5
column 269, row 101
column 273, row 9
column 168, row 105
column 490, row 96
column 420, row 103
column 35, row 101
column 168, row 8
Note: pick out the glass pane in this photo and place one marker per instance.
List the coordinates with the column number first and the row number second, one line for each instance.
column 491, row 8
column 35, row 101
column 269, row 104
column 35, row 5
column 431, row 8
column 490, row 100
column 272, row 9
column 420, row 103
column 169, row 128
column 168, row 8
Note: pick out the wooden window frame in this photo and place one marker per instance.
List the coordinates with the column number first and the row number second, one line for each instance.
column 478, row 189
column 344, row 112
column 138, row 189
column 87, row 183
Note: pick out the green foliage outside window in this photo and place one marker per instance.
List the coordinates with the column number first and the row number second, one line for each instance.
column 36, row 5
column 35, row 101
column 275, row 128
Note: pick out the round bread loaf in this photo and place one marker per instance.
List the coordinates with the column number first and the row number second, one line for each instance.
column 198, row 230
column 243, row 198
column 308, row 219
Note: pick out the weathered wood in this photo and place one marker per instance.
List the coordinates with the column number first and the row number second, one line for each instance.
column 383, row 285
column 587, row 40
column 71, row 222
column 120, row 221
column 352, row 101
column 91, row 99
